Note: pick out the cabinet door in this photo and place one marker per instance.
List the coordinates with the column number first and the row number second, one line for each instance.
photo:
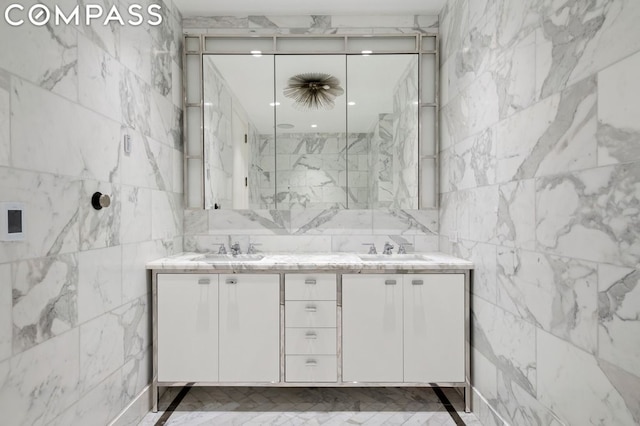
column 434, row 328
column 249, row 328
column 187, row 328
column 372, row 328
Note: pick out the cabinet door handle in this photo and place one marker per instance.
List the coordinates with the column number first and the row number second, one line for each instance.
column 311, row 363
column 390, row 282
column 311, row 281
column 311, row 335
column 417, row 282
column 231, row 281
column 204, row 281
column 311, row 308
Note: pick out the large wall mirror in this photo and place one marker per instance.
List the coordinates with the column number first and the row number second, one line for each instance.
column 309, row 131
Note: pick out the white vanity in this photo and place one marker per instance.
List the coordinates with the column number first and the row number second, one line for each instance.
column 334, row 319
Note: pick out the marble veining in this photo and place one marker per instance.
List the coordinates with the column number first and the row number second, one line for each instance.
column 310, row 261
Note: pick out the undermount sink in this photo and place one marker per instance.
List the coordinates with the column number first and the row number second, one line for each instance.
column 224, row 258
column 410, row 257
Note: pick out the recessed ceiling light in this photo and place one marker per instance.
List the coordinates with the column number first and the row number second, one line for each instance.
column 274, row 103
column 256, row 53
column 367, row 52
column 314, row 125
column 351, row 103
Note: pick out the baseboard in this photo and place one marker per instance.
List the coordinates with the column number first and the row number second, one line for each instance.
column 135, row 411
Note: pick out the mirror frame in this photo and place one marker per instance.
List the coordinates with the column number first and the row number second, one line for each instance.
column 196, row 46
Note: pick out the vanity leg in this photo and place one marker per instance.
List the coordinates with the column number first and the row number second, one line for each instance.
column 154, row 396
column 467, row 398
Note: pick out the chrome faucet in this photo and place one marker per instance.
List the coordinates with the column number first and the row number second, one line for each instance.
column 372, row 248
column 235, row 249
column 387, row 248
column 222, row 249
column 402, row 248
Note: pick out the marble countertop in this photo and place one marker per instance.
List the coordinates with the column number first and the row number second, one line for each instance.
column 310, row 261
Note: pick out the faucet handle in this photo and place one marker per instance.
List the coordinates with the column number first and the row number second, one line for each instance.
column 402, row 248
column 372, row 248
column 252, row 248
column 222, row 249
column 387, row 248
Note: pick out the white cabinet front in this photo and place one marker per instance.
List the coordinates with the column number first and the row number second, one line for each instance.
column 372, row 328
column 434, row 328
column 249, row 328
column 187, row 328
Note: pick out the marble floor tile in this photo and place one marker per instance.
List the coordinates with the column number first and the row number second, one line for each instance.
column 311, row 406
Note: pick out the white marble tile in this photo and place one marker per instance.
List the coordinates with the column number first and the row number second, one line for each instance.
column 99, row 76
column 51, row 214
column 105, row 37
column 136, row 375
column 590, row 215
column 483, row 216
column 619, row 313
column 330, row 222
column 45, row 295
column 101, row 350
column 521, row 408
column 99, row 282
column 6, row 303
column 471, row 163
column 40, row 117
column 483, row 257
column 134, row 277
column 136, row 205
column 507, row 341
column 292, row 243
column 100, row 228
column 166, row 214
column 135, row 51
column 372, row 21
column 565, row 371
column 150, row 163
column 136, row 327
column 164, row 119
column 405, row 222
column 516, row 225
column 557, row 294
column 618, row 110
column 560, row 135
column 5, row 115
column 249, row 222
column 484, row 375
column 101, row 404
column 45, row 56
column 196, row 222
column 40, row 383
column 425, row 243
column 609, row 34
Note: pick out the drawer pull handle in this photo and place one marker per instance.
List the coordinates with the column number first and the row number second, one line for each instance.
column 311, row 281
column 390, row 282
column 417, row 282
column 311, row 308
column 311, row 336
column 204, row 281
column 231, row 281
column 311, row 363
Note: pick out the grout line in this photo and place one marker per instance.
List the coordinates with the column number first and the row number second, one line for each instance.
column 452, row 411
column 174, row 404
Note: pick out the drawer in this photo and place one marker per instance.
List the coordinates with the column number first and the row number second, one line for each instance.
column 310, row 341
column 311, row 368
column 310, row 287
column 310, row 313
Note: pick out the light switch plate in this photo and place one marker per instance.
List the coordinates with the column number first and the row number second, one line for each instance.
column 12, row 221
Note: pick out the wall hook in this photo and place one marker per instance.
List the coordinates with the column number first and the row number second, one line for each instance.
column 100, row 200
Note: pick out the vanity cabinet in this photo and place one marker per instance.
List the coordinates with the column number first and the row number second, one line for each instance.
column 249, row 348
column 218, row 328
column 403, row 328
column 187, row 325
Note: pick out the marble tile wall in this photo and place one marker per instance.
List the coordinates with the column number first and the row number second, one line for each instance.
column 74, row 296
column 313, row 229
column 539, row 181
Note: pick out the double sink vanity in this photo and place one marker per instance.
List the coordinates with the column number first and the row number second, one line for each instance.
column 335, row 319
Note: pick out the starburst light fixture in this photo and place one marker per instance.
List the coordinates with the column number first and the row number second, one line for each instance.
column 313, row 91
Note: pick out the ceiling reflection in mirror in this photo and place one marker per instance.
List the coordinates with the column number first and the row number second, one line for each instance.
column 310, row 131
